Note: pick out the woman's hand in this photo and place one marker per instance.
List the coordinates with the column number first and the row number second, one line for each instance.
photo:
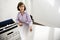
column 20, row 24
column 30, row 29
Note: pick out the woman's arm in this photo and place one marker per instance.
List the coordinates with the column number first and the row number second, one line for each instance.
column 29, row 22
column 30, row 26
column 18, row 21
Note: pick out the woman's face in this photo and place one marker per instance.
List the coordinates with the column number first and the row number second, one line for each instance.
column 21, row 8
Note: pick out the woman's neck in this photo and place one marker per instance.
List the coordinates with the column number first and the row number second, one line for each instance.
column 22, row 13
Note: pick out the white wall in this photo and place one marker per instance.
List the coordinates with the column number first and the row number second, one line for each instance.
column 41, row 32
column 57, row 34
column 46, row 33
column 46, row 12
column 8, row 9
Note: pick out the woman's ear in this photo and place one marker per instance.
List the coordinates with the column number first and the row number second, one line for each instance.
column 19, row 8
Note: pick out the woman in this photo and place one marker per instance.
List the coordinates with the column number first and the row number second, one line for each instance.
column 23, row 20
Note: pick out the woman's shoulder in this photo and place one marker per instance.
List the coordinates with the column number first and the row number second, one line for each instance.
column 26, row 13
column 18, row 12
